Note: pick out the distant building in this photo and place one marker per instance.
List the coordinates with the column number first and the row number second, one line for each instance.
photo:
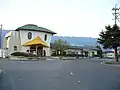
column 108, row 54
column 28, row 38
column 86, row 51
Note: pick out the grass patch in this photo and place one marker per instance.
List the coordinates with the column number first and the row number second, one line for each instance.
column 108, row 62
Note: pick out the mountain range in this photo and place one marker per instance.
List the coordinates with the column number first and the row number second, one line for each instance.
column 78, row 41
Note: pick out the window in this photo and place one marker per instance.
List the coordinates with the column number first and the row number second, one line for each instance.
column 29, row 35
column 45, row 37
column 15, row 48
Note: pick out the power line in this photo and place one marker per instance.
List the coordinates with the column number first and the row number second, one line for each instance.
column 116, row 14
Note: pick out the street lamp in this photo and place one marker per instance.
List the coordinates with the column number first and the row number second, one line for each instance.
column 1, row 36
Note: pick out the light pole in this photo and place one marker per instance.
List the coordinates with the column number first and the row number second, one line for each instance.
column 82, row 53
column 1, row 36
column 116, row 13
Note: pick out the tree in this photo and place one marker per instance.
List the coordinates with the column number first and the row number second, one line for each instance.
column 99, row 51
column 61, row 45
column 110, row 38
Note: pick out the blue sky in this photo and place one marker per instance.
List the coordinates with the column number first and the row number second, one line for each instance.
column 83, row 18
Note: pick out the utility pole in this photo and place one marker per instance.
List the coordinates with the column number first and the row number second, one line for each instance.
column 116, row 14
column 0, row 36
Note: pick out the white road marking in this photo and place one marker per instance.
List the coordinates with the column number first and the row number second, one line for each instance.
column 102, row 62
column 71, row 73
column 78, row 81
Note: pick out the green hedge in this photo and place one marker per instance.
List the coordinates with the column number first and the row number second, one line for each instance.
column 69, row 55
column 23, row 54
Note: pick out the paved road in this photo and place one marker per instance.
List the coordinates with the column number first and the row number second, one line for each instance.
column 59, row 75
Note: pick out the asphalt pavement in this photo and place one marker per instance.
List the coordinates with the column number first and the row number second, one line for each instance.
column 58, row 75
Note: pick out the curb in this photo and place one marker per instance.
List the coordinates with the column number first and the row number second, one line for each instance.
column 103, row 62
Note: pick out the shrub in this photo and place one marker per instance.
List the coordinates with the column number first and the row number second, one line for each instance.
column 23, row 54
column 20, row 54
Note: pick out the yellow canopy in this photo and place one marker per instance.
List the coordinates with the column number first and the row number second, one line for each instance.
column 36, row 41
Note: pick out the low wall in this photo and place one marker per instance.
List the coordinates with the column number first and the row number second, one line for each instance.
column 21, row 58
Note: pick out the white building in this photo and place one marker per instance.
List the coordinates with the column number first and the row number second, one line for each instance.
column 109, row 54
column 28, row 38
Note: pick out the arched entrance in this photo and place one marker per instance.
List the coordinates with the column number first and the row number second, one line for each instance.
column 40, row 51
column 44, row 52
column 36, row 46
column 37, row 50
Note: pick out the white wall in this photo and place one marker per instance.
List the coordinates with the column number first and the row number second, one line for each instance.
column 24, row 34
column 18, row 38
column 14, row 41
column 1, row 52
column 48, row 53
column 24, row 48
column 24, row 39
column 90, row 53
column 6, row 40
column 73, row 50
column 109, row 55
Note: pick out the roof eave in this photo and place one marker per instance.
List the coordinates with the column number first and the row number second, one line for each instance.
column 36, row 30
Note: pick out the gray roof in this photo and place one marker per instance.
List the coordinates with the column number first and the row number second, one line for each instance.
column 33, row 27
column 76, row 47
column 108, row 51
column 90, row 47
